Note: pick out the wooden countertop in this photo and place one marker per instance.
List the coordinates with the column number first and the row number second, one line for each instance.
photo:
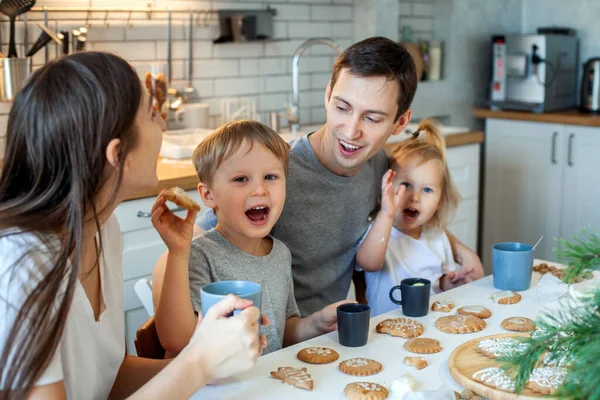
column 567, row 117
column 182, row 173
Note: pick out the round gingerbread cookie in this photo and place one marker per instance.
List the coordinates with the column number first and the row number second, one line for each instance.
column 518, row 324
column 442, row 306
column 403, row 327
column 478, row 311
column 365, row 391
column 360, row 367
column 506, row 297
column 460, row 324
column 500, row 347
column 423, row 346
column 317, row 355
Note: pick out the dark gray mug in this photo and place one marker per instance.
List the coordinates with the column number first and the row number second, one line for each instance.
column 414, row 298
column 212, row 293
column 353, row 324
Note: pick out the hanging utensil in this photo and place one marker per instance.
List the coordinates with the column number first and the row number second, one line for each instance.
column 12, row 9
column 45, row 37
column 190, row 95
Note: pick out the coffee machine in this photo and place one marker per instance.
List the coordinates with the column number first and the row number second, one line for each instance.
column 536, row 72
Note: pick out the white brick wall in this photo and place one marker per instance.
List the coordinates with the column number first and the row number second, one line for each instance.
column 419, row 15
column 258, row 70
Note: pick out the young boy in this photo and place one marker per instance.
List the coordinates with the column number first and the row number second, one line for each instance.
column 242, row 168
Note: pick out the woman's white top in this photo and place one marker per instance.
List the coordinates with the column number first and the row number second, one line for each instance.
column 90, row 352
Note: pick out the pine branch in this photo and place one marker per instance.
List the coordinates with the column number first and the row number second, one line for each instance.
column 581, row 254
column 571, row 334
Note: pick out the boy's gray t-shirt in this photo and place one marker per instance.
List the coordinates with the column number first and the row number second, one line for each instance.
column 324, row 217
column 213, row 258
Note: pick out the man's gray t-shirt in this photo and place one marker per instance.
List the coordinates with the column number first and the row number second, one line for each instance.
column 213, row 258
column 324, row 217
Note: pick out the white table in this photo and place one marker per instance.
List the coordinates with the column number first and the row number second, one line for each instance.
column 329, row 382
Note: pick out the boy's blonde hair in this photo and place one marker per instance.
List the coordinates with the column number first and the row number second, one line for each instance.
column 227, row 139
column 428, row 144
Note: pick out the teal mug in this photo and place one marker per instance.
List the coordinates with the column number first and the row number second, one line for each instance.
column 212, row 293
column 512, row 265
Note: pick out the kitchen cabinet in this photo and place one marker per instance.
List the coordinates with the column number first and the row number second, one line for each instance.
column 142, row 246
column 464, row 166
column 540, row 179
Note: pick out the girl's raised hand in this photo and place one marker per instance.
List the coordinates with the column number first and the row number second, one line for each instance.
column 390, row 199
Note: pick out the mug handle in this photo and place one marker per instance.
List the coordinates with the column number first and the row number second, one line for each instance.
column 178, row 113
column 399, row 302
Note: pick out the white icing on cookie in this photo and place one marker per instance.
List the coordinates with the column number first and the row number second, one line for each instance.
column 356, row 362
column 403, row 385
column 517, row 320
column 458, row 321
column 497, row 377
column 563, row 361
column 404, row 325
column 552, row 377
column 296, row 375
column 369, row 386
column 320, row 351
column 473, row 309
column 501, row 346
column 502, row 295
column 445, row 303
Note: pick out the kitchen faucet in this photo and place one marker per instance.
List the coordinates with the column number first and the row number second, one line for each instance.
column 294, row 110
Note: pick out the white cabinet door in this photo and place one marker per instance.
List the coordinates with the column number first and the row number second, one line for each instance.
column 464, row 166
column 523, row 185
column 142, row 246
column 582, row 180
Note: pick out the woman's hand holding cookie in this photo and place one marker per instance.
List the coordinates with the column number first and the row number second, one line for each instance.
column 176, row 232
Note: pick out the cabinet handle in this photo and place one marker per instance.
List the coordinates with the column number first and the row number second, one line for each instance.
column 553, row 152
column 145, row 214
column 570, row 160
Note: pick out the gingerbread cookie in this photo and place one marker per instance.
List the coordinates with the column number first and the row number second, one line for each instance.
column 478, row 311
column 365, row 391
column 547, row 380
column 518, row 324
column 495, row 377
column 360, row 367
column 506, row 297
column 460, row 324
column 178, row 196
column 417, row 362
column 423, row 346
column 297, row 377
column 318, row 355
column 468, row 395
column 403, row 327
column 550, row 360
column 499, row 347
column 443, row 306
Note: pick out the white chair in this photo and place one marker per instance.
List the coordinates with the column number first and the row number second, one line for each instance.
column 143, row 289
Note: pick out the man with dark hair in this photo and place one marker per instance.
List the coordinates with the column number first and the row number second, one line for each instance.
column 335, row 173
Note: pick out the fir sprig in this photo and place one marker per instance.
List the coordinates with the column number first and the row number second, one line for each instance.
column 570, row 334
column 581, row 255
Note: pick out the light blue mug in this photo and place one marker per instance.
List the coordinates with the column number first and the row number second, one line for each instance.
column 212, row 293
column 512, row 265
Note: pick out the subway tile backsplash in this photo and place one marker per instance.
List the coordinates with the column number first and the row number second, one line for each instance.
column 261, row 71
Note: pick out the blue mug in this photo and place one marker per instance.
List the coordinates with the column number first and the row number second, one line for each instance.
column 212, row 293
column 512, row 265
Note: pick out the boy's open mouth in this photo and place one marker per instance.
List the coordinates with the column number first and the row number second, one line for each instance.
column 411, row 213
column 258, row 214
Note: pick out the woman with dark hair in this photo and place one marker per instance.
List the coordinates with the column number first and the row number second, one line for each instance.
column 81, row 138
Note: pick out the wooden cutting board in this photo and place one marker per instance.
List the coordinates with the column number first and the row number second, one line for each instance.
column 464, row 361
